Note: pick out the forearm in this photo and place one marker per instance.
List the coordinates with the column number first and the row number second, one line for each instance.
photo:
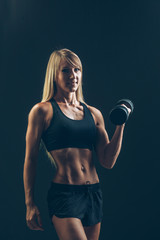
column 29, row 173
column 112, row 149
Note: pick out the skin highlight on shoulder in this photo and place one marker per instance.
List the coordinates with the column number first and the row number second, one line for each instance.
column 40, row 113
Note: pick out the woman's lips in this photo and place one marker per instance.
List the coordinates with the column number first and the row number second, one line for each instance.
column 72, row 84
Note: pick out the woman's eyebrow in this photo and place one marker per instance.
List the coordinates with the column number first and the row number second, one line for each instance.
column 63, row 67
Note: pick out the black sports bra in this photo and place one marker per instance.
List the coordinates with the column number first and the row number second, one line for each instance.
column 64, row 132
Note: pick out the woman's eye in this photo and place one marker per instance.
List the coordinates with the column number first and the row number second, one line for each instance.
column 76, row 69
column 65, row 70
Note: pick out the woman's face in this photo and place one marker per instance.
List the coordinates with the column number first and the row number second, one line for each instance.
column 68, row 77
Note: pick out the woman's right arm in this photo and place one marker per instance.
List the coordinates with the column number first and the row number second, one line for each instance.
column 36, row 122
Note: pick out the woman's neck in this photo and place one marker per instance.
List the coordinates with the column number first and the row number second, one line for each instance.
column 68, row 99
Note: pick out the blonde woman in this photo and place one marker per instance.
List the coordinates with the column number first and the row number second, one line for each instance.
column 70, row 130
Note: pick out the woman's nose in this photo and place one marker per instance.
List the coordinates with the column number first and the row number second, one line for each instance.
column 72, row 74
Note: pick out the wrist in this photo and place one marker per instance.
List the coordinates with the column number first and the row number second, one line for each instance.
column 29, row 203
column 120, row 126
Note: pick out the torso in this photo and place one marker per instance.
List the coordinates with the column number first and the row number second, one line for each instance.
column 74, row 165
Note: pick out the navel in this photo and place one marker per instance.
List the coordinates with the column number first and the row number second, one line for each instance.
column 88, row 182
column 83, row 168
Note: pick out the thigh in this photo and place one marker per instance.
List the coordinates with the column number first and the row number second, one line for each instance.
column 69, row 228
column 92, row 232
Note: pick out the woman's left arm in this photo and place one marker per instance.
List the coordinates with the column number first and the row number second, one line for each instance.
column 107, row 150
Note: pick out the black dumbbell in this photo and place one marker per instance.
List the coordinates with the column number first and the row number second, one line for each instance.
column 120, row 114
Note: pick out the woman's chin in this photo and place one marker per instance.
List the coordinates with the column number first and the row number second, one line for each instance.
column 73, row 89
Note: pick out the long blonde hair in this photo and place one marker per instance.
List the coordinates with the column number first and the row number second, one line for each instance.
column 49, row 89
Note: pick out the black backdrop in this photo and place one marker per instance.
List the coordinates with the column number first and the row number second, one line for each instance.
column 118, row 43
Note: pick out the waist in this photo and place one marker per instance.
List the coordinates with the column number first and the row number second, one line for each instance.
column 74, row 187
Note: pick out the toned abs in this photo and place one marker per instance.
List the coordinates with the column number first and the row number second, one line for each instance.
column 74, row 166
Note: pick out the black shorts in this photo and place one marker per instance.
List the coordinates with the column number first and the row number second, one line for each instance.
column 76, row 201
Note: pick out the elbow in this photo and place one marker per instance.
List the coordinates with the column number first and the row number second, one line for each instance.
column 109, row 158
column 109, row 162
column 107, row 165
column 110, row 166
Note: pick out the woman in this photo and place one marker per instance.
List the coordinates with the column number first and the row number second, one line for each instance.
column 70, row 130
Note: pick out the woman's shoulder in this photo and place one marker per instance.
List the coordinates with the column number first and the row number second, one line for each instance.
column 96, row 112
column 39, row 110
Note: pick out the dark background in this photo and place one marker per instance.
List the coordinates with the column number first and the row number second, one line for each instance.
column 119, row 45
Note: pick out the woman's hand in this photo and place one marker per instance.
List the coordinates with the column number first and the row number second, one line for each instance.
column 129, row 110
column 33, row 218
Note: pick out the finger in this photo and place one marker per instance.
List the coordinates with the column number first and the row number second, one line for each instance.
column 33, row 225
column 129, row 110
column 29, row 224
column 39, row 220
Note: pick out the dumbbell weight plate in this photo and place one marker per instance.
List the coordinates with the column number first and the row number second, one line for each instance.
column 126, row 102
column 119, row 115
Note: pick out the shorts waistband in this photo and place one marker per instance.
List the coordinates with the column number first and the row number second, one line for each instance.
column 73, row 187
